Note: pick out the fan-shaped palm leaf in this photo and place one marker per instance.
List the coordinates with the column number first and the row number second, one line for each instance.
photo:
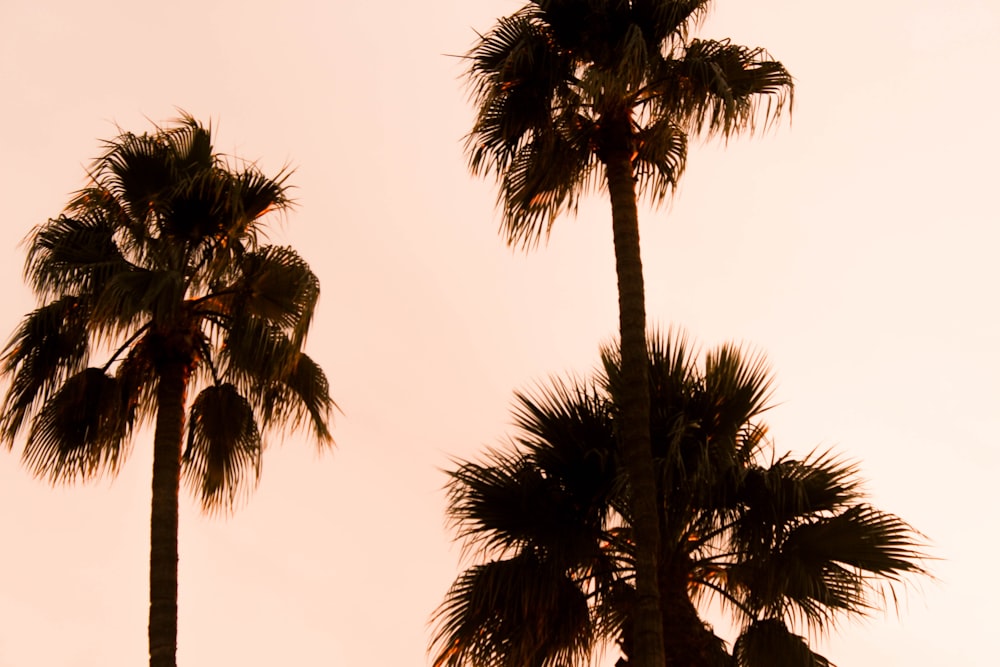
column 299, row 398
column 275, row 285
column 50, row 344
column 513, row 613
column 76, row 254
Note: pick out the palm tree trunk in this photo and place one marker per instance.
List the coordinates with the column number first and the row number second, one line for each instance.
column 163, row 519
column 633, row 397
column 688, row 642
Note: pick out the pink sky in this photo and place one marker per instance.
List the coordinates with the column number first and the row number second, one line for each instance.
column 857, row 248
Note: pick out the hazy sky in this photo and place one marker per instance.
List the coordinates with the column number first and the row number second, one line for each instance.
column 856, row 247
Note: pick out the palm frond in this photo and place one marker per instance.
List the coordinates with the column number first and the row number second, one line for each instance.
column 790, row 489
column 222, row 458
column 861, row 537
column 841, row 563
column 567, row 434
column 769, row 643
column 510, row 503
column 672, row 365
column 519, row 61
column 200, row 208
column 513, row 613
column 275, row 285
column 540, row 156
column 190, row 143
column 74, row 255
column 492, row 504
column 50, row 345
column 81, row 431
column 672, row 358
column 137, row 295
column 258, row 194
column 300, row 397
column 256, row 351
column 660, row 158
column 543, row 180
column 285, row 385
column 718, row 87
column 744, row 380
column 668, row 21
column 137, row 170
column 215, row 206
column 563, row 415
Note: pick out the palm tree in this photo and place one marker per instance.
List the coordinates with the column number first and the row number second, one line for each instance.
column 156, row 264
column 786, row 545
column 577, row 94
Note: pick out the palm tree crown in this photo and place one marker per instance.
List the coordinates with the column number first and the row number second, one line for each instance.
column 565, row 87
column 155, row 267
column 785, row 544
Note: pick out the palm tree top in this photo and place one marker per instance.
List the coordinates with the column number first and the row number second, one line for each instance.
column 159, row 259
column 563, row 85
column 787, row 544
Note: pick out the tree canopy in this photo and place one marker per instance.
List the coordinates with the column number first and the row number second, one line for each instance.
column 785, row 544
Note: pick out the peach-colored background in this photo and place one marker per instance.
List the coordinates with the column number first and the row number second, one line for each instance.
column 857, row 247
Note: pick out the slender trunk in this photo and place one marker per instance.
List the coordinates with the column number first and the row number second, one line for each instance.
column 163, row 519
column 632, row 396
column 688, row 642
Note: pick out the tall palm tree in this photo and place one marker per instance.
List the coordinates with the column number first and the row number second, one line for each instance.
column 785, row 544
column 581, row 94
column 155, row 268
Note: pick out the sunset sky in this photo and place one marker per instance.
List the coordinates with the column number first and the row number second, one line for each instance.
column 856, row 246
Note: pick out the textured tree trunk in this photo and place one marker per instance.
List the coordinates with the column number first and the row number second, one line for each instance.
column 687, row 641
column 632, row 395
column 163, row 519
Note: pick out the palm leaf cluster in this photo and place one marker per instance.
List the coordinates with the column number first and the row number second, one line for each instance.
column 786, row 545
column 566, row 86
column 157, row 265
